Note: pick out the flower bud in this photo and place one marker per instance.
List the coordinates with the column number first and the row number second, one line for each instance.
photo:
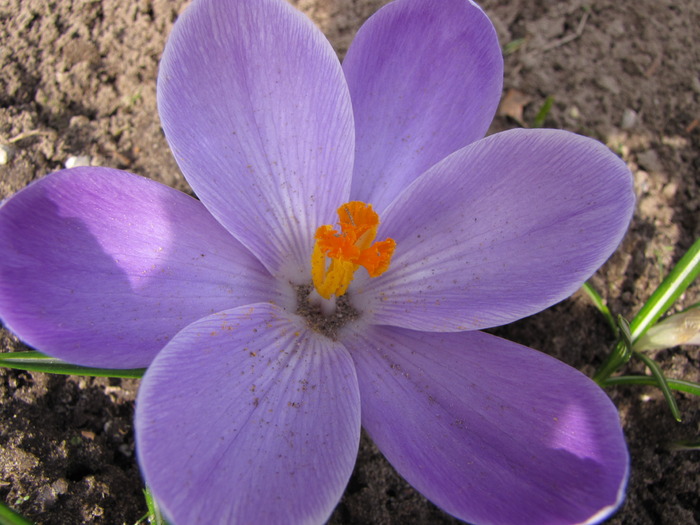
column 678, row 329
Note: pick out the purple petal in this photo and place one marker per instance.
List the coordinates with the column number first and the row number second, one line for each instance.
column 248, row 417
column 500, row 230
column 101, row 267
column 425, row 80
column 491, row 431
column 256, row 109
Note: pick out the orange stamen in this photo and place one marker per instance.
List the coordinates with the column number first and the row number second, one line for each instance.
column 338, row 254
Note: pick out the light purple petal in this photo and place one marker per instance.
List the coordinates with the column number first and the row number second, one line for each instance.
column 256, row 109
column 425, row 79
column 248, row 417
column 491, row 431
column 500, row 230
column 101, row 267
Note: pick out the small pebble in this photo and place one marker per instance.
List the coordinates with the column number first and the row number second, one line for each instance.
column 649, row 160
column 6, row 153
column 669, row 191
column 79, row 160
column 629, row 118
column 60, row 486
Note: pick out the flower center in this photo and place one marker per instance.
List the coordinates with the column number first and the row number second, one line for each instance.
column 325, row 322
column 338, row 254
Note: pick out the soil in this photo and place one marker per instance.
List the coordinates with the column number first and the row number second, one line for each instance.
column 78, row 82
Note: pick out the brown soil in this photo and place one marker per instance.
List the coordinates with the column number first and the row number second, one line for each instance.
column 78, row 79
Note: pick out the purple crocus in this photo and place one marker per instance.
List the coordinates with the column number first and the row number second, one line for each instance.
column 271, row 333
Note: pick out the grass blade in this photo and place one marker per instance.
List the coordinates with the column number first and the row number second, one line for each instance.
column 38, row 362
column 10, row 517
column 601, row 306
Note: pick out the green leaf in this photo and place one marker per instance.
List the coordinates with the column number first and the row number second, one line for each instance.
column 154, row 516
column 620, row 354
column 682, row 275
column 601, row 306
column 675, row 384
column 512, row 46
column 685, row 445
column 38, row 362
column 661, row 383
column 10, row 517
column 625, row 334
column 538, row 122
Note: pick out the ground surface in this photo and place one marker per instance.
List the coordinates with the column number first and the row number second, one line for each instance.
column 78, row 79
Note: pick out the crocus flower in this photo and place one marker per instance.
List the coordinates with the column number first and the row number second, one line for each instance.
column 353, row 234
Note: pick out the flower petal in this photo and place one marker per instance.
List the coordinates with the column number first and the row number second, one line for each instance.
column 425, row 80
column 500, row 230
column 248, row 417
column 101, row 267
column 491, row 431
column 256, row 109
